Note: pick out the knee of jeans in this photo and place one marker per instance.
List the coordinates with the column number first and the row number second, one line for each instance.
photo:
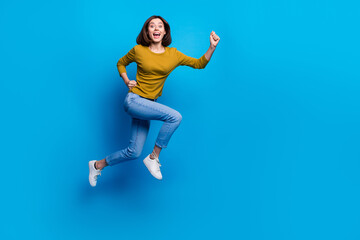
column 133, row 153
column 177, row 117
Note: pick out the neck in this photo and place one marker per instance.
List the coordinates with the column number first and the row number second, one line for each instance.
column 156, row 46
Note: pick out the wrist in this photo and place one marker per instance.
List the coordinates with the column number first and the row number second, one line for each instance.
column 212, row 47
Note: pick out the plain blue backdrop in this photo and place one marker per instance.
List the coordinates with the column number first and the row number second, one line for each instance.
column 269, row 143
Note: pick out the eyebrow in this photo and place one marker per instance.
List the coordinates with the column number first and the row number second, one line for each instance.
column 154, row 23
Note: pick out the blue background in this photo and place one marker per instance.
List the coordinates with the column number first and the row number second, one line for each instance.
column 269, row 143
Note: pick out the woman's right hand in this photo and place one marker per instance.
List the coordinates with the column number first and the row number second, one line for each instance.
column 131, row 84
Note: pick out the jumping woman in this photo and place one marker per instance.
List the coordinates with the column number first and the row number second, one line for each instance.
column 155, row 61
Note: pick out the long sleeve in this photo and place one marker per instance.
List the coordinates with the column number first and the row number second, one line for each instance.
column 190, row 61
column 126, row 60
column 154, row 68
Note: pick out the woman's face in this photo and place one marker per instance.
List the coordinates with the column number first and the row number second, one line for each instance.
column 156, row 30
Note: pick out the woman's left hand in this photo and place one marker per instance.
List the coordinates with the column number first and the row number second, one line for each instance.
column 214, row 39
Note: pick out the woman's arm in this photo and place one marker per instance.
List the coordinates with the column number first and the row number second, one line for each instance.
column 214, row 40
column 209, row 52
column 200, row 62
column 125, row 77
column 122, row 63
column 127, row 81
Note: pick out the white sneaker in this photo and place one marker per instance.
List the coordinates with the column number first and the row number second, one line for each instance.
column 93, row 173
column 153, row 165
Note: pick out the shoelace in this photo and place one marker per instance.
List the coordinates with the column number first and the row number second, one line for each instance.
column 157, row 160
column 96, row 176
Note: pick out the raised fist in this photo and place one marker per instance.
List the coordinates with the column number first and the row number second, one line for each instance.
column 214, row 39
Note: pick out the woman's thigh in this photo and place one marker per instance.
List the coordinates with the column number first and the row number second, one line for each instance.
column 141, row 108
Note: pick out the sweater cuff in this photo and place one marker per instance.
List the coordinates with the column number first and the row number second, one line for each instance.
column 121, row 69
column 203, row 61
column 205, row 58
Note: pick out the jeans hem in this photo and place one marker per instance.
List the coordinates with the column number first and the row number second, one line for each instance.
column 107, row 161
column 163, row 146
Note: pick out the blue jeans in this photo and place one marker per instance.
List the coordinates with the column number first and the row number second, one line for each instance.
column 142, row 111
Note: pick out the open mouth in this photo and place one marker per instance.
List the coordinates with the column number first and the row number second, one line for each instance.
column 156, row 35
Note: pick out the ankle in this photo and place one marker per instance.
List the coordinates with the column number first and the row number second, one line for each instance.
column 96, row 165
column 153, row 155
column 99, row 165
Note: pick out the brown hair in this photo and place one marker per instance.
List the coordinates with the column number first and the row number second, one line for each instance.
column 143, row 37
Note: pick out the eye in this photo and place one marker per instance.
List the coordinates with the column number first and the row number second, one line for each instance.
column 151, row 25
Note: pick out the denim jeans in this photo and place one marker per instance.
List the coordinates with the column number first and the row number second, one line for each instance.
column 143, row 110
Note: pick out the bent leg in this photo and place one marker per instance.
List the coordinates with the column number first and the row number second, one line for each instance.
column 149, row 110
column 139, row 132
column 168, row 128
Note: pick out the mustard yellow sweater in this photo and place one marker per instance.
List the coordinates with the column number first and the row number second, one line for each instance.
column 153, row 68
